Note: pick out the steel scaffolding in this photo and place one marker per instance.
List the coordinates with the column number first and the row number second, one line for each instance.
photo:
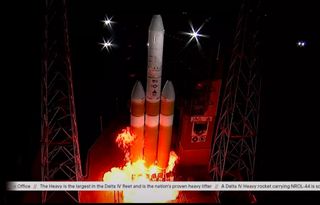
column 60, row 157
column 234, row 145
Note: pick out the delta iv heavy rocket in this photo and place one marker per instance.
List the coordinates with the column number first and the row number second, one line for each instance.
column 157, row 129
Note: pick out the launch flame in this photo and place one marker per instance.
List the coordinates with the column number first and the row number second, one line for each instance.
column 172, row 161
column 138, row 172
column 124, row 140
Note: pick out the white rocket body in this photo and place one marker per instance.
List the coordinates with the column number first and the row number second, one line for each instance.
column 155, row 53
column 153, row 90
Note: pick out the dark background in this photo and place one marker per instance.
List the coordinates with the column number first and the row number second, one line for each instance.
column 288, row 137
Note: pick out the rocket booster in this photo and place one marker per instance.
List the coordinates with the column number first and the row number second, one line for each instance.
column 166, row 122
column 137, row 120
column 155, row 52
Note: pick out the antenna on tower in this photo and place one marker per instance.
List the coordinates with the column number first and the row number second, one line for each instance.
column 218, row 52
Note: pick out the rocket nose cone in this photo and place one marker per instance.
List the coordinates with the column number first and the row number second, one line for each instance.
column 168, row 91
column 156, row 23
column 137, row 91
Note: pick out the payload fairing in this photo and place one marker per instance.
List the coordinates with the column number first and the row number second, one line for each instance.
column 156, row 142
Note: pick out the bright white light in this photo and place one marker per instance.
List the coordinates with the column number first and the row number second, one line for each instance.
column 106, row 44
column 195, row 35
column 301, row 43
column 108, row 21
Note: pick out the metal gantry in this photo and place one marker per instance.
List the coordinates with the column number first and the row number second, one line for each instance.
column 60, row 156
column 234, row 145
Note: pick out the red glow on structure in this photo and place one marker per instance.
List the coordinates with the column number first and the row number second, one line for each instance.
column 138, row 172
column 199, row 85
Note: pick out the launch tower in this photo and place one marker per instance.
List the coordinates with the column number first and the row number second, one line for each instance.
column 60, row 157
column 234, row 144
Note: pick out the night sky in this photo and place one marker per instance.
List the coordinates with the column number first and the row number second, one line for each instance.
column 288, row 144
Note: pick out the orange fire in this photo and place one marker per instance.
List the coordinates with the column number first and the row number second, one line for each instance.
column 138, row 172
column 124, row 140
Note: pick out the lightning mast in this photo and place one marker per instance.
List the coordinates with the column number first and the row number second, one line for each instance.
column 60, row 155
column 234, row 145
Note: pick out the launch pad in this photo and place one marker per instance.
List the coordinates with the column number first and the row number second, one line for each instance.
column 104, row 154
